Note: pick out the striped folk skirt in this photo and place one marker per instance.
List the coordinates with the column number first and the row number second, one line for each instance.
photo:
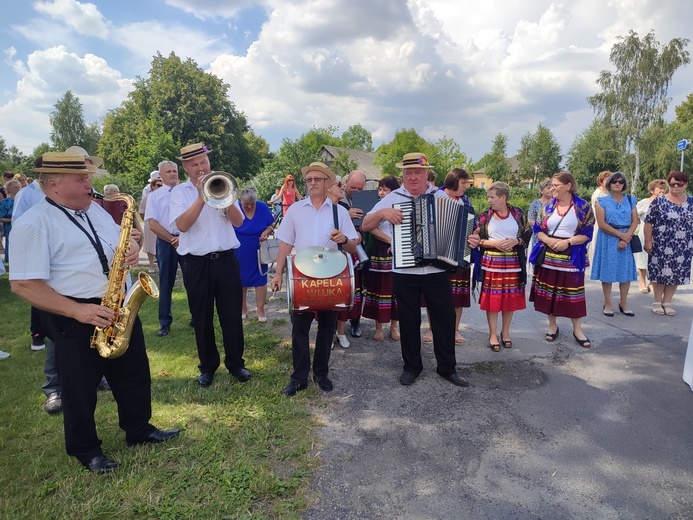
column 558, row 287
column 501, row 290
column 460, row 287
column 380, row 303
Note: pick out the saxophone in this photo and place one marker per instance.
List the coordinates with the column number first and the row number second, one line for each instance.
column 112, row 341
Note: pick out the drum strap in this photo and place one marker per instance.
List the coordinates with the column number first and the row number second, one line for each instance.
column 336, row 222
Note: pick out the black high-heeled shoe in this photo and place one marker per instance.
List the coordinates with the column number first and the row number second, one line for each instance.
column 627, row 313
column 609, row 314
column 552, row 337
column 507, row 343
column 586, row 343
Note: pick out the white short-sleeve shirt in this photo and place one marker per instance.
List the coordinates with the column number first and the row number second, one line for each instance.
column 158, row 207
column 212, row 231
column 402, row 195
column 48, row 246
column 304, row 226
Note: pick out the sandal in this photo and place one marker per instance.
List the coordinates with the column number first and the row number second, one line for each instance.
column 668, row 309
column 394, row 334
column 495, row 347
column 583, row 342
column 378, row 336
column 428, row 337
column 507, row 343
column 552, row 337
column 459, row 340
column 658, row 309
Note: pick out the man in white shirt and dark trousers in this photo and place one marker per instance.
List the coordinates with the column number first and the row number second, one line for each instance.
column 61, row 265
column 310, row 223
column 157, row 214
column 211, row 273
column 413, row 282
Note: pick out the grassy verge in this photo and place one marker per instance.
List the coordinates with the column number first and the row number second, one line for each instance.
column 244, row 449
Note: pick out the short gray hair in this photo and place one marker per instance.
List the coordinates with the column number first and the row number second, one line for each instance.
column 249, row 194
column 546, row 183
column 166, row 163
column 501, row 188
column 110, row 188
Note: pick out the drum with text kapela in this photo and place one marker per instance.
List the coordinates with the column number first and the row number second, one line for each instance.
column 309, row 291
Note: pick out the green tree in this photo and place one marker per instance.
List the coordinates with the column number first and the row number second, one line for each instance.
column 404, row 141
column 598, row 148
column 445, row 156
column 497, row 167
column 635, row 95
column 67, row 122
column 192, row 106
column 357, row 138
column 539, row 155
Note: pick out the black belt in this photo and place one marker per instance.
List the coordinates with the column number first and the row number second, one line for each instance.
column 97, row 301
column 215, row 255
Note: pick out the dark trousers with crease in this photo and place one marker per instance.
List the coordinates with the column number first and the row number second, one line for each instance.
column 300, row 343
column 81, row 368
column 209, row 281
column 437, row 291
column 168, row 260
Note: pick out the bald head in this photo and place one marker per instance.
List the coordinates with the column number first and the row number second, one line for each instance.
column 356, row 181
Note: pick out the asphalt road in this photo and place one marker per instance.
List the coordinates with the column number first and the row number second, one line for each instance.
column 546, row 431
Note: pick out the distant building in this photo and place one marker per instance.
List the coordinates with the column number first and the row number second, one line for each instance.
column 365, row 162
column 482, row 181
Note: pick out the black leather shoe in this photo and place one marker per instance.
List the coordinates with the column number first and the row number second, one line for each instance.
column 241, row 374
column 455, row 379
column 407, row 378
column 100, row 464
column 325, row 384
column 205, row 379
column 163, row 331
column 291, row 389
column 156, row 437
column 355, row 330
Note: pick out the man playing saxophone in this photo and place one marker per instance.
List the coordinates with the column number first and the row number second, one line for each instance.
column 62, row 266
column 211, row 274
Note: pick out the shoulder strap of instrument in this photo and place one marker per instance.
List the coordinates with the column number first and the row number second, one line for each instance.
column 336, row 221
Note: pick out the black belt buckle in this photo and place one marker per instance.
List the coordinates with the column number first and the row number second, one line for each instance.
column 213, row 256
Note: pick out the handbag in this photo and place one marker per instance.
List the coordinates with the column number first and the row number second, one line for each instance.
column 267, row 253
column 635, row 243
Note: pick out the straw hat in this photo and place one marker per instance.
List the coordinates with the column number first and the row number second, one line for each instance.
column 318, row 167
column 193, row 150
column 60, row 162
column 78, row 150
column 154, row 175
column 414, row 160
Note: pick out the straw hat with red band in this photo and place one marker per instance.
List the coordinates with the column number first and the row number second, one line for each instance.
column 60, row 162
column 414, row 160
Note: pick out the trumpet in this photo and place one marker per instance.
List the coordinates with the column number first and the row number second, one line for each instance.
column 219, row 190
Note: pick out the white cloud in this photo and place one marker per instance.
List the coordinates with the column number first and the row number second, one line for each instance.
column 207, row 9
column 44, row 79
column 83, row 18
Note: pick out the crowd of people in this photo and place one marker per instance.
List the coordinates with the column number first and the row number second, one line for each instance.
column 62, row 261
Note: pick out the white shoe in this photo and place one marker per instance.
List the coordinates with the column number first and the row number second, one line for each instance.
column 3, row 355
column 262, row 319
column 244, row 316
column 343, row 341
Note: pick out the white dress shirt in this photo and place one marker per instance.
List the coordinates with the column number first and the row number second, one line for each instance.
column 158, row 207
column 304, row 226
column 211, row 232
column 27, row 197
column 51, row 248
column 402, row 195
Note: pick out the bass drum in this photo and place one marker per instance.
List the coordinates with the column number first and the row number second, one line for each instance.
column 312, row 293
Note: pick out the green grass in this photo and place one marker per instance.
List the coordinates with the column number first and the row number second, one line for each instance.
column 244, row 449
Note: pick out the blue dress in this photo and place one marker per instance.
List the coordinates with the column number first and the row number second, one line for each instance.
column 611, row 264
column 249, row 236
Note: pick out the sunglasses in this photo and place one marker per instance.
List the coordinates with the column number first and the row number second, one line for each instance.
column 619, row 181
column 677, row 184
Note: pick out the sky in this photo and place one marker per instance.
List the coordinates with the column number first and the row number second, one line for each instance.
column 456, row 68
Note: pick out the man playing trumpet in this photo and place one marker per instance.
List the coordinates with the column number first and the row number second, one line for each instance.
column 211, row 274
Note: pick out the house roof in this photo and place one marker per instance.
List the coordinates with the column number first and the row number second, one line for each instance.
column 364, row 160
column 514, row 166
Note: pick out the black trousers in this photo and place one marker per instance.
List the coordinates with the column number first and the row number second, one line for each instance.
column 81, row 368
column 209, row 280
column 437, row 291
column 35, row 324
column 300, row 343
column 168, row 260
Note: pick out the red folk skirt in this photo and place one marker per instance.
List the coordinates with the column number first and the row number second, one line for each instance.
column 379, row 300
column 558, row 288
column 501, row 290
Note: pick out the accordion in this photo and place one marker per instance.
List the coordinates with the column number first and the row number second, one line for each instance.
column 433, row 231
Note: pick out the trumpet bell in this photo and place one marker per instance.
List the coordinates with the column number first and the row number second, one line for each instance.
column 219, row 190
